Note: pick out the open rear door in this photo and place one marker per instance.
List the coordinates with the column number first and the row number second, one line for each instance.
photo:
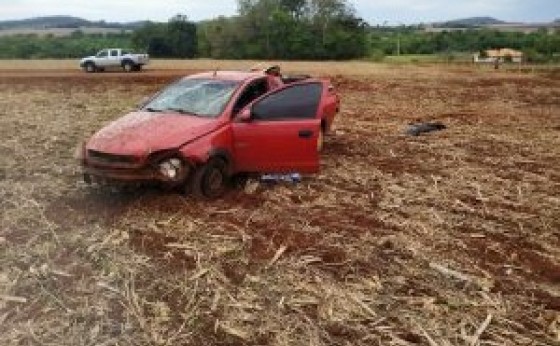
column 282, row 132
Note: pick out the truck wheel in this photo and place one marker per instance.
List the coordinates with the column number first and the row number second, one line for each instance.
column 138, row 68
column 209, row 180
column 90, row 67
column 128, row 66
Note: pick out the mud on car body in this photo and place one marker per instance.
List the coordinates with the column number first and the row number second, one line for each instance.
column 204, row 128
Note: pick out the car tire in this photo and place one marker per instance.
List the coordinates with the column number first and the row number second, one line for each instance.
column 210, row 180
column 89, row 67
column 128, row 66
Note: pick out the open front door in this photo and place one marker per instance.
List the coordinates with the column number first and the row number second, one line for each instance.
column 282, row 133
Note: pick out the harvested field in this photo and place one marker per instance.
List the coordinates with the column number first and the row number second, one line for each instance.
column 449, row 238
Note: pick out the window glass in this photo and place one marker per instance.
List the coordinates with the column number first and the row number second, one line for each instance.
column 295, row 102
column 102, row 54
column 202, row 97
column 114, row 52
column 251, row 92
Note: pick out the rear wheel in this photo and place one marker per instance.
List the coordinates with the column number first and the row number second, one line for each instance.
column 210, row 180
column 128, row 66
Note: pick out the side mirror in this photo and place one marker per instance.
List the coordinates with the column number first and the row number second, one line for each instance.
column 245, row 115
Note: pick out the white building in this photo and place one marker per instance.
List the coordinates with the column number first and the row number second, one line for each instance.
column 500, row 55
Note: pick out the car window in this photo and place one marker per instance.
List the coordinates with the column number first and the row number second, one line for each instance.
column 251, row 93
column 114, row 52
column 295, row 102
column 202, row 97
column 102, row 54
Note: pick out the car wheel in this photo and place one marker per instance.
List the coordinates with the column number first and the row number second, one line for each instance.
column 89, row 67
column 210, row 180
column 138, row 68
column 128, row 66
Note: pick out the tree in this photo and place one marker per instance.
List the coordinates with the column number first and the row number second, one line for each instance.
column 142, row 37
column 182, row 37
column 174, row 39
column 289, row 29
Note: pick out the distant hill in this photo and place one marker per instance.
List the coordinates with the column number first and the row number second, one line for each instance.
column 470, row 22
column 52, row 22
column 44, row 22
column 489, row 23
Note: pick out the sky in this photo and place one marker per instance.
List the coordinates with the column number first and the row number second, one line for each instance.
column 392, row 12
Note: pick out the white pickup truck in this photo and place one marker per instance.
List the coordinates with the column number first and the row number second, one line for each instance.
column 114, row 58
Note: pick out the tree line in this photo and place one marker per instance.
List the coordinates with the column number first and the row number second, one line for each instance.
column 538, row 46
column 286, row 29
column 76, row 45
column 283, row 29
column 263, row 29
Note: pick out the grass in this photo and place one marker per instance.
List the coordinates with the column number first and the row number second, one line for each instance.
column 428, row 58
column 450, row 238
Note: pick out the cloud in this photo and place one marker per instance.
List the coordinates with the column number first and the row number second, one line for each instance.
column 374, row 11
column 117, row 10
column 414, row 11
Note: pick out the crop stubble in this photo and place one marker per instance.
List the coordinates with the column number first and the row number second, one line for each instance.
column 446, row 239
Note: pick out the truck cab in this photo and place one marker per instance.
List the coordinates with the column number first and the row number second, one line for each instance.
column 114, row 58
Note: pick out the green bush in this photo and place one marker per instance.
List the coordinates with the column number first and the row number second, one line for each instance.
column 376, row 55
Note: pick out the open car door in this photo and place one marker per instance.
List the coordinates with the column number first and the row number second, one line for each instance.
column 280, row 131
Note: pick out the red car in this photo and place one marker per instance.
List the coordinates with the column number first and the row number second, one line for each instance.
column 204, row 128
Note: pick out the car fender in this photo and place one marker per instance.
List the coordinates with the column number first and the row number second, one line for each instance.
column 87, row 60
column 217, row 143
column 330, row 105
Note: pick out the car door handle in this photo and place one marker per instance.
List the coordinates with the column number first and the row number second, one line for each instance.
column 305, row 133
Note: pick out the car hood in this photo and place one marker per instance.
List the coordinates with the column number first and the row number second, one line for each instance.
column 87, row 58
column 142, row 133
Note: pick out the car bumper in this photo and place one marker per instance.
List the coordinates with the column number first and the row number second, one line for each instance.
column 97, row 174
column 120, row 176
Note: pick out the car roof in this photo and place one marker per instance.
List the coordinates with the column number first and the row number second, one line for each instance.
column 228, row 75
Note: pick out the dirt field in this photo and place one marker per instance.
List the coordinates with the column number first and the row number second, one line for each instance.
column 450, row 238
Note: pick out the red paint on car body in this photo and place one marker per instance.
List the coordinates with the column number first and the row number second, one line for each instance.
column 132, row 148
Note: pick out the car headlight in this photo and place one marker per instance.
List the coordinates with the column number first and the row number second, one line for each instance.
column 172, row 168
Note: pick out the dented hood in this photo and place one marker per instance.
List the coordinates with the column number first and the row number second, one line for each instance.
column 142, row 133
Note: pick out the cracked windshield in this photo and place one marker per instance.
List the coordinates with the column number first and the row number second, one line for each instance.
column 202, row 97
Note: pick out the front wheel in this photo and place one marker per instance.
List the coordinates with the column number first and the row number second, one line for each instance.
column 210, row 180
column 90, row 67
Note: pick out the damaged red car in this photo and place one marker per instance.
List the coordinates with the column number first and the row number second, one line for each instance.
column 203, row 129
